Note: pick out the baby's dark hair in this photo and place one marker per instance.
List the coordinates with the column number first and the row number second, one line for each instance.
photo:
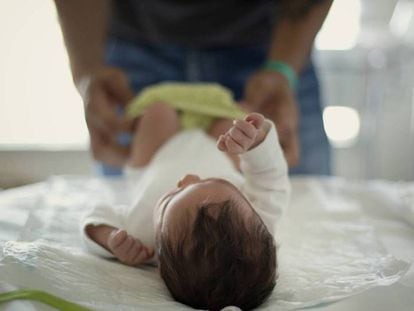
column 225, row 260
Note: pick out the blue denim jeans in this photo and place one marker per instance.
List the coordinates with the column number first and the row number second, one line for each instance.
column 146, row 64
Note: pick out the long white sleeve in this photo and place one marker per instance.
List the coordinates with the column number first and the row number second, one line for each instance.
column 266, row 178
column 101, row 215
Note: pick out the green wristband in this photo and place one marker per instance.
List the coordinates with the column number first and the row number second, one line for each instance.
column 285, row 69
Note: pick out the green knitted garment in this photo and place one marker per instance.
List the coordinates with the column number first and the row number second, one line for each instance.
column 198, row 103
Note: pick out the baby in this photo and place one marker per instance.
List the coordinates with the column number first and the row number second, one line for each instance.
column 212, row 235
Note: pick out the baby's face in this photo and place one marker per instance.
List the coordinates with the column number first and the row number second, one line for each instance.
column 177, row 209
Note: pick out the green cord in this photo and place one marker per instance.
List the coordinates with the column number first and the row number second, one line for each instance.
column 44, row 297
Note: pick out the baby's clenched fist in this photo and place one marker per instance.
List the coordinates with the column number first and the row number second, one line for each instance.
column 128, row 249
column 243, row 135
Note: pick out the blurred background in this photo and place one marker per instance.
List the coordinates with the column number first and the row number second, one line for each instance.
column 364, row 55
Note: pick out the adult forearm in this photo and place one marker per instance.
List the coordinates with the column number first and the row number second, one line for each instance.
column 84, row 25
column 293, row 36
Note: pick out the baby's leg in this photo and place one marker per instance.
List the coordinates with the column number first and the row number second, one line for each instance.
column 219, row 127
column 158, row 124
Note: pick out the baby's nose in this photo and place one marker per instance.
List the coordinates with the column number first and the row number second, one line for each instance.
column 188, row 180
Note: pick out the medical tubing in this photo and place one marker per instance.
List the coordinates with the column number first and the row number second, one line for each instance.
column 44, row 297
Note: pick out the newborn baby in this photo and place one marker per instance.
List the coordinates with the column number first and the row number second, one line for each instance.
column 205, row 209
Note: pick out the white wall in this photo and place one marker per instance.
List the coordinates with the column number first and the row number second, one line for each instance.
column 384, row 97
column 38, row 102
column 376, row 78
column 27, row 166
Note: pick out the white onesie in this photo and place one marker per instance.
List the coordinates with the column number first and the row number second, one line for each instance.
column 264, row 182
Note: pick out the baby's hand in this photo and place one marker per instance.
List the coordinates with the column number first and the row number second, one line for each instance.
column 243, row 135
column 128, row 249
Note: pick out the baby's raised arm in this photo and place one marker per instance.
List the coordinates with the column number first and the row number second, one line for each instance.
column 262, row 163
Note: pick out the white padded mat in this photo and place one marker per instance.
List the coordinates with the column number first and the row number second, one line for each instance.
column 329, row 248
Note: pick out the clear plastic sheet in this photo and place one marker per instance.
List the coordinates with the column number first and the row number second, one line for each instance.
column 327, row 249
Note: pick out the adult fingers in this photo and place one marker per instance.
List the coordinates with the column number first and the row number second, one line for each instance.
column 105, row 149
column 103, row 111
column 117, row 84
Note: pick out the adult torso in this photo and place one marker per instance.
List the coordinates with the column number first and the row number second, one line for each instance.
column 199, row 23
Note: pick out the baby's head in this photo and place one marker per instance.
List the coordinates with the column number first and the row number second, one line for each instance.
column 213, row 248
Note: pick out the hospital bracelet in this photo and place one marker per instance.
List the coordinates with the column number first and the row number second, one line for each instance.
column 285, row 69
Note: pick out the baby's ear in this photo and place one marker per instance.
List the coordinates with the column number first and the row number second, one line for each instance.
column 256, row 119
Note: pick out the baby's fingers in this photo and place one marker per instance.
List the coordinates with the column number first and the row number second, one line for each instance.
column 122, row 250
column 255, row 119
column 246, row 127
column 136, row 249
column 232, row 146
column 142, row 256
column 221, row 145
column 240, row 138
column 116, row 238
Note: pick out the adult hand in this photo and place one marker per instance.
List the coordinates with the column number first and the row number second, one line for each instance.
column 269, row 93
column 104, row 92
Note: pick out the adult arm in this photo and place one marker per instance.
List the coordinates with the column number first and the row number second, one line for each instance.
column 84, row 26
column 268, row 91
column 295, row 32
